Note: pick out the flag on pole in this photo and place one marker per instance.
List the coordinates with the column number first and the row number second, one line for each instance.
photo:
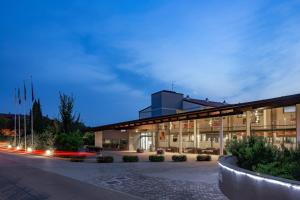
column 32, row 93
column 25, row 91
column 19, row 96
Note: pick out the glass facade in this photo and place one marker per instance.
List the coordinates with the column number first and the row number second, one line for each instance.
column 276, row 125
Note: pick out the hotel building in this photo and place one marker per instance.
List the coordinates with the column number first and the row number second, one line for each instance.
column 185, row 125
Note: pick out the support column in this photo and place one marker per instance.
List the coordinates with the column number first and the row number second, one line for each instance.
column 195, row 135
column 156, row 136
column 221, row 137
column 180, row 137
column 248, row 122
column 153, row 141
column 131, row 146
column 98, row 139
column 298, row 125
column 265, row 123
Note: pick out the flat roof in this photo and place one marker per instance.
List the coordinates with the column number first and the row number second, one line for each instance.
column 230, row 109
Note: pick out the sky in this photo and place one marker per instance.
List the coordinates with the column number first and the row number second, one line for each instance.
column 112, row 55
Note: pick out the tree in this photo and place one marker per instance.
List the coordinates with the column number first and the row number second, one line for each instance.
column 38, row 119
column 69, row 121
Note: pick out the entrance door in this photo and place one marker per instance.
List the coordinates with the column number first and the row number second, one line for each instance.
column 146, row 141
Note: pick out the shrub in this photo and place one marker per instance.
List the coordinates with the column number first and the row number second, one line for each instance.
column 179, row 158
column 68, row 142
column 130, row 159
column 89, row 139
column 203, row 157
column 160, row 151
column 253, row 153
column 77, row 158
column 105, row 159
column 156, row 158
column 44, row 140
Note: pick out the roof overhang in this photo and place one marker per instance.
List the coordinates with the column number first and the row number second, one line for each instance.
column 232, row 109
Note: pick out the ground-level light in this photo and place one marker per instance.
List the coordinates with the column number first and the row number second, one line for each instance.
column 29, row 149
column 49, row 152
column 18, row 148
column 9, row 146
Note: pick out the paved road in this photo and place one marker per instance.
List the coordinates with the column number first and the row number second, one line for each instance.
column 19, row 181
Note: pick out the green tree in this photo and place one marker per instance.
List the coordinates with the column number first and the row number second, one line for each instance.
column 38, row 118
column 69, row 121
column 72, row 141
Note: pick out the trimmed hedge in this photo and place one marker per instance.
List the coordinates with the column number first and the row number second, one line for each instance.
column 203, row 157
column 105, row 159
column 156, row 158
column 77, row 158
column 130, row 159
column 179, row 158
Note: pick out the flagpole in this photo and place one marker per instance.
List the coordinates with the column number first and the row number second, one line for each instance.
column 16, row 110
column 25, row 145
column 19, row 111
column 32, row 97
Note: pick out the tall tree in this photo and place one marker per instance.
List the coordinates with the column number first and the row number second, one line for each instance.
column 38, row 119
column 69, row 121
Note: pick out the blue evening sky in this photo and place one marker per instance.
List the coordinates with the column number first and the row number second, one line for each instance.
column 111, row 55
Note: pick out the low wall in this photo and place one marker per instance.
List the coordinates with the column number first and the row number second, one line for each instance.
column 237, row 183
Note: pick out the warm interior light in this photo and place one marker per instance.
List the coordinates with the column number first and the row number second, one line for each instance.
column 29, row 149
column 18, row 148
column 9, row 146
column 48, row 152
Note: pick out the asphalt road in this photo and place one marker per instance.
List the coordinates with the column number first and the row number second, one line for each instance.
column 23, row 182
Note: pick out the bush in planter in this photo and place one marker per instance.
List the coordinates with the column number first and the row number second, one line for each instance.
column 140, row 150
column 77, row 158
column 179, row 158
column 156, row 158
column 105, row 159
column 203, row 157
column 160, row 151
column 130, row 159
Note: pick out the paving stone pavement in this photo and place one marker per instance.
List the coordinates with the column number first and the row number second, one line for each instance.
column 152, row 181
column 10, row 189
column 154, row 188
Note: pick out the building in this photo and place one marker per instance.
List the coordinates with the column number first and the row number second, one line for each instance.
column 168, row 102
column 200, row 126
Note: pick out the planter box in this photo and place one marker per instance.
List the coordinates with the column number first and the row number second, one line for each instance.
column 105, row 159
column 156, row 158
column 179, row 158
column 130, row 159
column 237, row 183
